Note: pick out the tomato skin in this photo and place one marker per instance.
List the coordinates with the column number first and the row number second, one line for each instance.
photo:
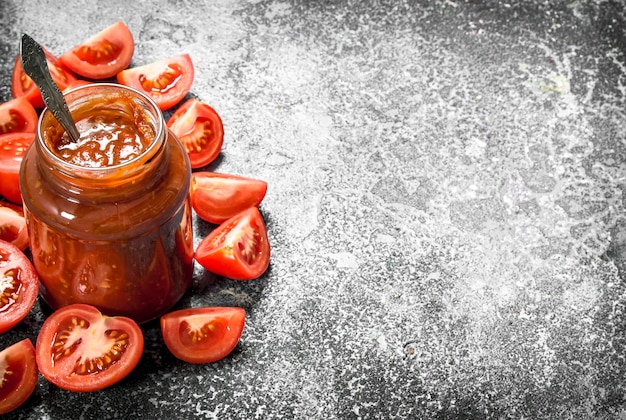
column 23, row 86
column 19, row 359
column 203, row 335
column 18, row 116
column 74, row 333
column 199, row 127
column 238, row 248
column 218, row 197
column 13, row 146
column 103, row 55
column 13, row 225
column 21, row 286
column 166, row 81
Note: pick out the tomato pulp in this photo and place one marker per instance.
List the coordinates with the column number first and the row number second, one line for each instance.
column 23, row 86
column 103, row 55
column 81, row 350
column 218, row 197
column 203, row 335
column 166, row 81
column 18, row 116
column 18, row 375
column 110, row 228
column 13, row 225
column 19, row 286
column 238, row 248
column 200, row 129
column 13, row 147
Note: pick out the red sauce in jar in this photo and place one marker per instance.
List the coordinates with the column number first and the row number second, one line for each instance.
column 109, row 216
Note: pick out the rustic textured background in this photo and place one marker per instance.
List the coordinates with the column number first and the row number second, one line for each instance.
column 445, row 206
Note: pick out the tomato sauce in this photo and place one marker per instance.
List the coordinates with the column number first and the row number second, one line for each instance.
column 109, row 215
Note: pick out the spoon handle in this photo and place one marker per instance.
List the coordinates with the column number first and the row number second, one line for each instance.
column 35, row 65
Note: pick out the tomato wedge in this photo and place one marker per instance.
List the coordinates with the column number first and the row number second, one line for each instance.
column 13, row 225
column 13, row 146
column 218, row 197
column 18, row 115
column 166, row 81
column 76, row 83
column 238, row 248
column 23, row 86
column 200, row 129
column 103, row 55
column 20, row 286
column 81, row 350
column 203, row 335
column 18, row 375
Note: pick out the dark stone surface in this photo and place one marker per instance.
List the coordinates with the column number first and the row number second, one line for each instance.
column 445, row 206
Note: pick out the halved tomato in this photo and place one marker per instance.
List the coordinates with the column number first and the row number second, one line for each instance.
column 238, row 248
column 166, row 81
column 13, row 225
column 203, row 335
column 81, row 350
column 218, row 197
column 103, row 55
column 200, row 129
column 18, row 375
column 18, row 115
column 20, row 286
column 23, row 86
column 13, row 147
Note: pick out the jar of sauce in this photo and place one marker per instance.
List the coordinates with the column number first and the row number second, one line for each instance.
column 109, row 215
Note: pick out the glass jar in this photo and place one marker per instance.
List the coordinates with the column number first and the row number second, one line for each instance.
column 109, row 223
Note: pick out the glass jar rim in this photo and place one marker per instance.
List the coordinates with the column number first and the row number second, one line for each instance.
column 100, row 89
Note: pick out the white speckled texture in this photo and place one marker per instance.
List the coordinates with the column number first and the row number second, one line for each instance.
column 445, row 206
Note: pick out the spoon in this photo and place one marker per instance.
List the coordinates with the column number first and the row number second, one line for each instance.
column 35, row 65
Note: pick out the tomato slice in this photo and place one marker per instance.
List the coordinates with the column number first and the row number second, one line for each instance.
column 19, row 286
column 103, row 55
column 166, row 81
column 238, row 248
column 23, row 86
column 218, row 197
column 13, row 146
column 18, row 375
column 200, row 129
column 81, row 350
column 18, row 115
column 13, row 225
column 203, row 335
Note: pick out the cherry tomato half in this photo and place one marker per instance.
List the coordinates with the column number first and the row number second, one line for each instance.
column 13, row 146
column 238, row 248
column 13, row 225
column 166, row 81
column 23, row 86
column 103, row 55
column 203, row 335
column 218, row 197
column 81, row 350
column 200, row 129
column 18, row 375
column 20, row 286
column 18, row 115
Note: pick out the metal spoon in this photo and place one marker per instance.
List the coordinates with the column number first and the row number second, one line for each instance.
column 35, row 65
